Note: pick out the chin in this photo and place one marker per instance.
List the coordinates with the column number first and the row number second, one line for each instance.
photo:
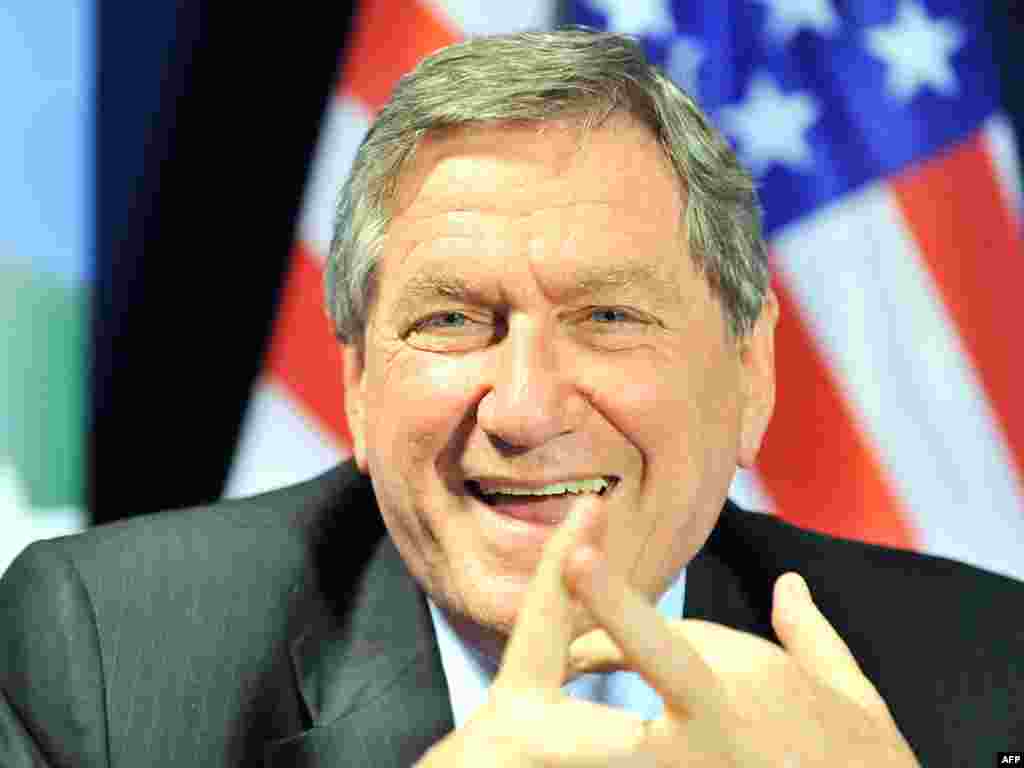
column 495, row 612
column 495, row 606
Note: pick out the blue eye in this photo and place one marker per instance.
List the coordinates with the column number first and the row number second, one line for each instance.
column 442, row 321
column 609, row 315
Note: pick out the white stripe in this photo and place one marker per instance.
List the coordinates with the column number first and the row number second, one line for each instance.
column 855, row 271
column 748, row 491
column 473, row 17
column 280, row 445
column 344, row 126
column 1001, row 144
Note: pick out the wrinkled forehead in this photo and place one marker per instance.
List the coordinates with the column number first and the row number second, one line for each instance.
column 562, row 161
column 566, row 202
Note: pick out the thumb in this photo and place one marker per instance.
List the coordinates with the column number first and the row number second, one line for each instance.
column 594, row 651
column 816, row 646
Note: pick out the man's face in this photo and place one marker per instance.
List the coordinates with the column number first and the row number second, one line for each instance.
column 538, row 319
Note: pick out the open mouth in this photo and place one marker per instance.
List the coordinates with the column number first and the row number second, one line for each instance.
column 530, row 498
column 538, row 509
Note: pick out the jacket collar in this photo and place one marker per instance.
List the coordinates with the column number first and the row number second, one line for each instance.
column 368, row 667
column 363, row 654
column 372, row 683
column 730, row 580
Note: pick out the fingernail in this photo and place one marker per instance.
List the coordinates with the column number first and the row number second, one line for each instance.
column 798, row 588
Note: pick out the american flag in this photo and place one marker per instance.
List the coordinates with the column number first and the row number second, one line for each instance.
column 893, row 211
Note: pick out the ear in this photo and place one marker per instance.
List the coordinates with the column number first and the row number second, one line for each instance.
column 757, row 357
column 353, row 377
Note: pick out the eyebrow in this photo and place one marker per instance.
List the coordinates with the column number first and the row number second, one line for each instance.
column 591, row 280
column 425, row 287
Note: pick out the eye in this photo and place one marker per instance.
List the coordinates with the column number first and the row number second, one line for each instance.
column 443, row 320
column 611, row 315
column 450, row 331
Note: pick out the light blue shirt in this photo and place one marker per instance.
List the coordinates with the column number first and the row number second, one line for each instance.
column 469, row 673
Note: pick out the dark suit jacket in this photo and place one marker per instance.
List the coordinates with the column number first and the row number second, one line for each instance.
column 285, row 630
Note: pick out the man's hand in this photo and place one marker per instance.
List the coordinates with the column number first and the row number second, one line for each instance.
column 731, row 699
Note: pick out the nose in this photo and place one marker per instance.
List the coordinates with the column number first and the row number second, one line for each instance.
column 532, row 397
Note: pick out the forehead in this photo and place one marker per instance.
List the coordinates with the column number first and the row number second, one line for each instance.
column 514, row 166
column 488, row 199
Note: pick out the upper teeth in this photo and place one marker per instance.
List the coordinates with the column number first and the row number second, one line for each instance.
column 592, row 485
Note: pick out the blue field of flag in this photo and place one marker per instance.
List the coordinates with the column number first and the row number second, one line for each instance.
column 817, row 96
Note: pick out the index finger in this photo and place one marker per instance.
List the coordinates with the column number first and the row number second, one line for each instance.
column 538, row 649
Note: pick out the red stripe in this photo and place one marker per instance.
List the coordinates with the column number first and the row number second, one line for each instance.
column 388, row 39
column 304, row 355
column 957, row 213
column 816, row 463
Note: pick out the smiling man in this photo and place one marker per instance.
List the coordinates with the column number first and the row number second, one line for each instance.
column 550, row 286
column 537, row 290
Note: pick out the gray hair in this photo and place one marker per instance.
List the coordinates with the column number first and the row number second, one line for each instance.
column 572, row 72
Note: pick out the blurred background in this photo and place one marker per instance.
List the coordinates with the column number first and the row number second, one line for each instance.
column 168, row 170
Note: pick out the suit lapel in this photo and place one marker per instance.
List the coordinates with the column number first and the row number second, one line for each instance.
column 370, row 675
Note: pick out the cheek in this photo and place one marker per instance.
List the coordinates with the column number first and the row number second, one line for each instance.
column 419, row 400
column 688, row 409
column 682, row 421
column 646, row 402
